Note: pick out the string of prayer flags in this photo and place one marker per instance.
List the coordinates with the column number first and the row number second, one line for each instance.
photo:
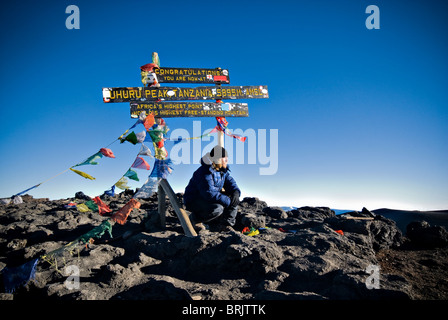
column 18, row 276
column 83, row 174
column 140, row 163
column 131, row 174
column 107, row 153
column 121, row 215
column 122, row 183
column 102, row 207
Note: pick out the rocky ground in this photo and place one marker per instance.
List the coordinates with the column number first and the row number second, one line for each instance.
column 298, row 254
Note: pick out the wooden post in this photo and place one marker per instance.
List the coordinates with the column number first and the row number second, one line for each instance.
column 161, row 196
column 220, row 138
column 181, row 213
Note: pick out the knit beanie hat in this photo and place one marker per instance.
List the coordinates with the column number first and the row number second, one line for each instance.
column 218, row 152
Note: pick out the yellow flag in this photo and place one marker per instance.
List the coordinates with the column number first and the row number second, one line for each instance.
column 122, row 183
column 82, row 207
column 83, row 174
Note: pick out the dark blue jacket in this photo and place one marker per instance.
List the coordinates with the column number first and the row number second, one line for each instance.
column 206, row 185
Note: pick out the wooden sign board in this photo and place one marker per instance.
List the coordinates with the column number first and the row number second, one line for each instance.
column 133, row 94
column 190, row 109
column 192, row 75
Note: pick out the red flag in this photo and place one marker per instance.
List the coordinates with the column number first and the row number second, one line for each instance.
column 149, row 67
column 102, row 207
column 107, row 153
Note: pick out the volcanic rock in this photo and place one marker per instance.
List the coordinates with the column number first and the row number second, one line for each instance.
column 305, row 253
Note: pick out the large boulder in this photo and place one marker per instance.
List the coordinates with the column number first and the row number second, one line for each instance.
column 252, row 204
column 382, row 232
column 421, row 233
column 315, row 213
column 275, row 212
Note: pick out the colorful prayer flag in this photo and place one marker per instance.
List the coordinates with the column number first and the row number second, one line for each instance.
column 107, row 153
column 121, row 215
column 140, row 163
column 149, row 121
column 82, row 207
column 222, row 122
column 131, row 174
column 145, row 151
column 91, row 205
column 20, row 193
column 160, row 153
column 154, row 135
column 83, row 174
column 91, row 160
column 102, row 207
column 141, row 136
column 71, row 205
column 110, row 192
column 162, row 168
column 97, row 232
column 122, row 183
column 148, row 188
column 132, row 138
column 18, row 276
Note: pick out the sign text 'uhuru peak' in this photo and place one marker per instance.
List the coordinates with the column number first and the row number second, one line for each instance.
column 131, row 94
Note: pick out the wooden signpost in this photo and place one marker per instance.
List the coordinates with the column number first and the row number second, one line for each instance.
column 167, row 102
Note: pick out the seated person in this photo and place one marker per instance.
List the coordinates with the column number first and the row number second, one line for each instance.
column 212, row 195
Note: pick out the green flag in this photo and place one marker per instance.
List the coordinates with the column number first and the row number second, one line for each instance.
column 131, row 174
column 132, row 138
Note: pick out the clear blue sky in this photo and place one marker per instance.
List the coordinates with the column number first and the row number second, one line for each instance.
column 361, row 114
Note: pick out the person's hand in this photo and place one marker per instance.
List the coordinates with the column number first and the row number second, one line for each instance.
column 235, row 198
